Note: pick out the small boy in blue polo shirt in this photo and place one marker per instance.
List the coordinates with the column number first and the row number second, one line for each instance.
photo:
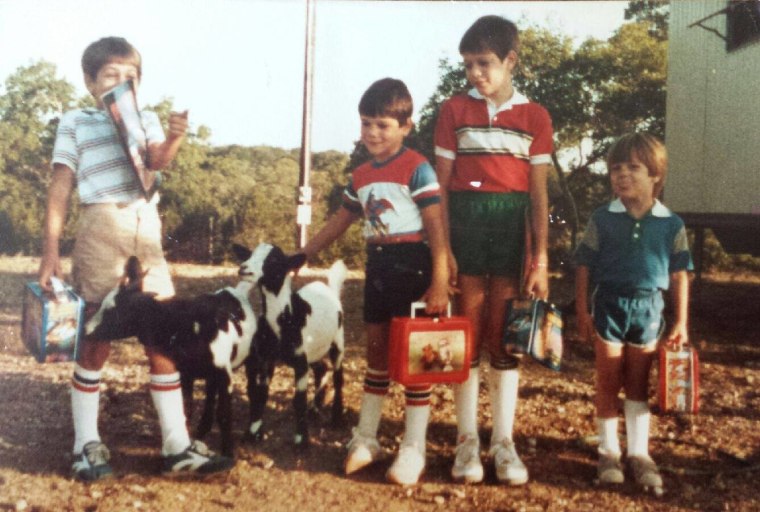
column 633, row 249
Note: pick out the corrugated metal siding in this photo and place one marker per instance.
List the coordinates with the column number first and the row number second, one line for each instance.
column 713, row 116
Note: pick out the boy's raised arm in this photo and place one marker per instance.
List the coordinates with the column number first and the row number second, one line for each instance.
column 59, row 194
column 162, row 154
column 336, row 226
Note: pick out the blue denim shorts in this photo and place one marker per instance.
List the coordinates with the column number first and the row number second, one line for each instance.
column 635, row 318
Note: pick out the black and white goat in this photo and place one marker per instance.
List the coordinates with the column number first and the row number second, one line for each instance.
column 207, row 337
column 298, row 328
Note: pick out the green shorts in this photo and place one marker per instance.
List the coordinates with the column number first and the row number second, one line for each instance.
column 487, row 232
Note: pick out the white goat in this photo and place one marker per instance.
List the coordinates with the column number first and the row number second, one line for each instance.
column 298, row 328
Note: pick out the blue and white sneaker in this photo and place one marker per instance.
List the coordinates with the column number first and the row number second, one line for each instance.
column 92, row 463
column 197, row 458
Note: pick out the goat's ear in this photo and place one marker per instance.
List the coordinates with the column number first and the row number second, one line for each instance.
column 296, row 261
column 241, row 253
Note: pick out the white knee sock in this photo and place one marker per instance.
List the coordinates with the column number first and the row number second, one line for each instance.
column 85, row 401
column 502, row 388
column 637, row 427
column 416, row 416
column 167, row 398
column 466, row 404
column 376, row 383
column 609, row 442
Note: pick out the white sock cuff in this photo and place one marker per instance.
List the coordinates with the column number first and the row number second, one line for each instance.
column 164, row 378
column 635, row 407
column 87, row 374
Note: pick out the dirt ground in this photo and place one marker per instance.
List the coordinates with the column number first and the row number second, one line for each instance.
column 710, row 461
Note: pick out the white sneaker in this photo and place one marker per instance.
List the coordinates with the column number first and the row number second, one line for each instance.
column 408, row 466
column 362, row 451
column 467, row 466
column 645, row 472
column 609, row 470
column 509, row 468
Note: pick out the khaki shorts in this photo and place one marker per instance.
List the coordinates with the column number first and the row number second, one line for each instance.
column 108, row 234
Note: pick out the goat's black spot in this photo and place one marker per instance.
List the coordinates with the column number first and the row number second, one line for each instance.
column 274, row 270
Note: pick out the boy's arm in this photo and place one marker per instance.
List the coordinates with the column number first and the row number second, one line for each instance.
column 437, row 295
column 443, row 169
column 537, row 282
column 161, row 154
column 336, row 226
column 679, row 292
column 585, row 323
column 59, row 194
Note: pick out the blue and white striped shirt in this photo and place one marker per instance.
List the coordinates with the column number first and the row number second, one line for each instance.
column 87, row 143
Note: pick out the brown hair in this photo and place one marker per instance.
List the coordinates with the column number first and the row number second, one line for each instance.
column 491, row 34
column 648, row 149
column 387, row 97
column 107, row 50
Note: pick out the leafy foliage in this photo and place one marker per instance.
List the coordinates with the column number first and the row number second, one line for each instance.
column 212, row 196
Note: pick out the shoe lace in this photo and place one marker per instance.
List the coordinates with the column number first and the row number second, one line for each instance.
column 505, row 453
column 96, row 454
column 359, row 439
column 466, row 451
column 200, row 448
column 408, row 453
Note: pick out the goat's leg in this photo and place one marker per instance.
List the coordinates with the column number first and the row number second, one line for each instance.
column 301, row 370
column 224, row 411
column 320, row 386
column 207, row 418
column 336, row 356
column 259, row 375
column 187, row 383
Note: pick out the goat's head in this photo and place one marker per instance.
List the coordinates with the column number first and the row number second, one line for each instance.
column 117, row 318
column 268, row 266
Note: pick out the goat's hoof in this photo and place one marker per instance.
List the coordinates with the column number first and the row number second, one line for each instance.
column 253, row 438
column 315, row 412
column 301, row 443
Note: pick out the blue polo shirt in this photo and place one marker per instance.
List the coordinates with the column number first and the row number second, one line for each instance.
column 626, row 255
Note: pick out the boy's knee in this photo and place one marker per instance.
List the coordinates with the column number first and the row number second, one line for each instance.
column 160, row 364
column 93, row 354
column 504, row 361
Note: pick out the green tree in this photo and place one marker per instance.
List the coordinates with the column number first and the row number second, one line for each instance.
column 31, row 104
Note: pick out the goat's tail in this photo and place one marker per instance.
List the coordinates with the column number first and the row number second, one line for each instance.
column 336, row 275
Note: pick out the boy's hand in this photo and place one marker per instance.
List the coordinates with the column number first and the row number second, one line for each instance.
column 178, row 124
column 537, row 282
column 49, row 266
column 436, row 299
column 677, row 338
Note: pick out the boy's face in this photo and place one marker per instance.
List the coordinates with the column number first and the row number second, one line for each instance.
column 631, row 181
column 491, row 76
column 109, row 76
column 383, row 136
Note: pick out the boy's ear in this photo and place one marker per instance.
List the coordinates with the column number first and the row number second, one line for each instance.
column 512, row 59
column 407, row 126
column 89, row 83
